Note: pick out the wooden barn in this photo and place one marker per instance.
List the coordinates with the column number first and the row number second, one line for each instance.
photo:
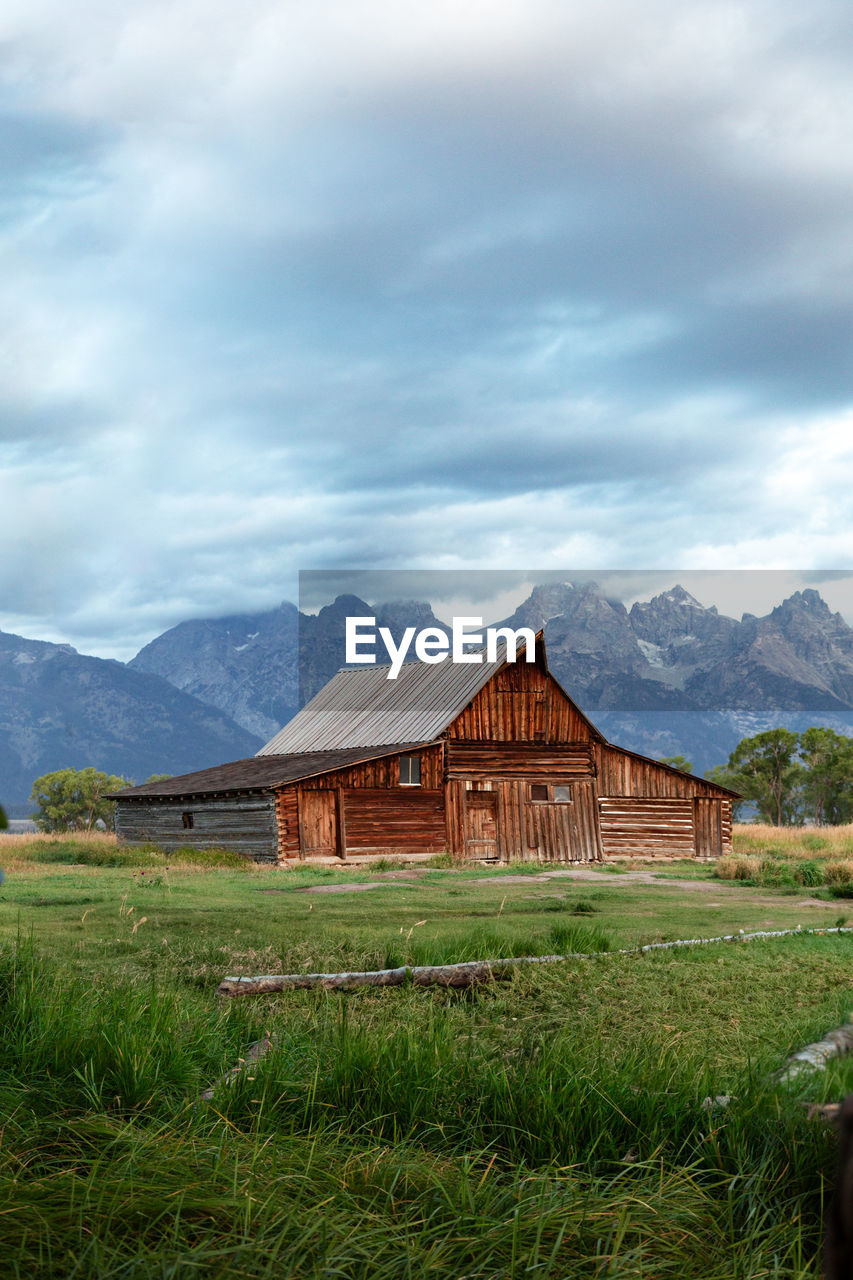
column 491, row 761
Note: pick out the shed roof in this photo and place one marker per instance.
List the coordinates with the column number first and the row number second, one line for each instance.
column 254, row 774
column 361, row 707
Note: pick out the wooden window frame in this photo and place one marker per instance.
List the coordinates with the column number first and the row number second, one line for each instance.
column 413, row 766
column 187, row 821
column 550, row 790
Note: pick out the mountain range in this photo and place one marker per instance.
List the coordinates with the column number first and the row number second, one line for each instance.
column 667, row 676
column 60, row 708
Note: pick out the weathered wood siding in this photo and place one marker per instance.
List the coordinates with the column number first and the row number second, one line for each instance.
column 244, row 824
column 566, row 832
column 530, row 830
column 621, row 773
column 712, row 821
column 646, row 828
column 473, row 760
column 287, row 819
column 520, row 704
column 521, row 728
column 648, row 810
column 383, row 773
column 636, row 826
column 408, row 820
column 363, row 809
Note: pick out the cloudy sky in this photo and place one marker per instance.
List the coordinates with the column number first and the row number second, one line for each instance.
column 382, row 285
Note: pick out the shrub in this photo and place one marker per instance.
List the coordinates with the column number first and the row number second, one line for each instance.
column 840, row 872
column 774, row 873
column 441, row 861
column 736, row 867
column 809, row 873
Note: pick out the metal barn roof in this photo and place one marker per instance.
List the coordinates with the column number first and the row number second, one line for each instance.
column 361, row 707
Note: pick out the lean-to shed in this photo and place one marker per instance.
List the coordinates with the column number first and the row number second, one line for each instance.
column 489, row 760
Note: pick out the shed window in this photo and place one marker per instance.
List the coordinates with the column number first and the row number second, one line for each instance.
column 539, row 792
column 410, row 771
column 563, row 795
column 187, row 821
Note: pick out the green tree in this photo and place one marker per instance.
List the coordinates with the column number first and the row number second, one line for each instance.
column 766, row 771
column 678, row 762
column 827, row 776
column 75, row 799
column 4, row 821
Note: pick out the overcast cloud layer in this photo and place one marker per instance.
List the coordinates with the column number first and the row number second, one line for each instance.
column 382, row 285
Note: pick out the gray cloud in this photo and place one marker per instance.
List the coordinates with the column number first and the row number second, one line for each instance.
column 313, row 288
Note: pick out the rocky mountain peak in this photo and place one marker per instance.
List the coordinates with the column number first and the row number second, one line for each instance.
column 399, row 614
column 677, row 617
column 808, row 603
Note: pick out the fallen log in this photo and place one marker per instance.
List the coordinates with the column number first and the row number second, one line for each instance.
column 253, row 1054
column 468, row 972
column 814, row 1056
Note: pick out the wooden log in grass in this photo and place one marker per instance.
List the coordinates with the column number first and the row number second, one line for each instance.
column 253, row 1054
column 470, row 972
column 467, row 974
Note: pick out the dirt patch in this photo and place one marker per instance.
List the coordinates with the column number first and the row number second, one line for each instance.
column 360, row 887
column 588, row 875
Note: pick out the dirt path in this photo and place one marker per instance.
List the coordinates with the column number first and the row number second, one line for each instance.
column 580, row 875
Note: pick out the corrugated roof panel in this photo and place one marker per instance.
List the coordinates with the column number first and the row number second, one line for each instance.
column 361, row 707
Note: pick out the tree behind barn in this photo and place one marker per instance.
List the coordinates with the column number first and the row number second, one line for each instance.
column 75, row 799
column 828, row 776
column 767, row 773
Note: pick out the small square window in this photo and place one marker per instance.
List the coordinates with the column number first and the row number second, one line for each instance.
column 563, row 795
column 410, row 771
column 538, row 792
column 187, row 821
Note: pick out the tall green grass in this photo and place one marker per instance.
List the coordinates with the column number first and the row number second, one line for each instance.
column 107, row 853
column 552, row 1126
column 489, row 942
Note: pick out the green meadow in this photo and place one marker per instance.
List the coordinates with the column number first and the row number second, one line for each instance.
column 560, row 1124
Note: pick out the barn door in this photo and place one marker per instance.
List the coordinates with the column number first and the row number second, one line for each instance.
column 563, row 822
column 318, row 826
column 708, row 827
column 586, row 837
column 481, row 824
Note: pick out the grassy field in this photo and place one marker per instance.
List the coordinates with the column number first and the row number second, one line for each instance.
column 550, row 1126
